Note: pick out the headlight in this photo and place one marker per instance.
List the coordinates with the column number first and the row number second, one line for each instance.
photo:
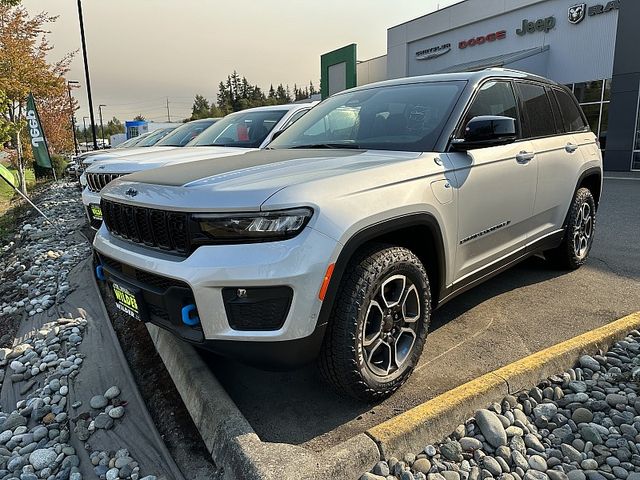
column 248, row 227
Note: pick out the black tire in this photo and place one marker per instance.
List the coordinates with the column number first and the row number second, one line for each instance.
column 343, row 358
column 568, row 256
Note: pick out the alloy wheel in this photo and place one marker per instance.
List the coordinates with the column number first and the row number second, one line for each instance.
column 390, row 326
column 583, row 231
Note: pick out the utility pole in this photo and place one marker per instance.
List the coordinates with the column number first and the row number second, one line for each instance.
column 84, row 122
column 86, row 74
column 168, row 112
column 101, row 125
column 73, row 117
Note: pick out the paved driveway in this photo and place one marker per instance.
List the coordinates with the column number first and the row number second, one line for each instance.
column 521, row 311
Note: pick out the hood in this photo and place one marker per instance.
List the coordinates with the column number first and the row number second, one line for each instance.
column 245, row 182
column 124, row 153
column 147, row 161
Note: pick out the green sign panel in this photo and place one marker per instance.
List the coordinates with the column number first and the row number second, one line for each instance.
column 36, row 133
column 338, row 70
column 8, row 176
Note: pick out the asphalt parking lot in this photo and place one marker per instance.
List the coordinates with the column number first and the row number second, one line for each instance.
column 523, row 310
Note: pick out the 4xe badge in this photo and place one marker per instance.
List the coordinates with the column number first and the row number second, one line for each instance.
column 577, row 13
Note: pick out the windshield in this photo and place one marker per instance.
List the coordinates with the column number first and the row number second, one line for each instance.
column 241, row 129
column 129, row 143
column 399, row 117
column 185, row 133
column 154, row 137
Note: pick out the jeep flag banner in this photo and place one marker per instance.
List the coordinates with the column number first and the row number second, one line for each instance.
column 36, row 133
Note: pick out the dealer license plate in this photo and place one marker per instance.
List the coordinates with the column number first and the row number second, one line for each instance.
column 96, row 212
column 129, row 300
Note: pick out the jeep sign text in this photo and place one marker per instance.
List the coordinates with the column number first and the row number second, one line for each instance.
column 492, row 37
column 34, row 128
column 540, row 25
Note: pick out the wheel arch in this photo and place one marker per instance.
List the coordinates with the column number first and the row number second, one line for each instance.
column 591, row 179
column 419, row 232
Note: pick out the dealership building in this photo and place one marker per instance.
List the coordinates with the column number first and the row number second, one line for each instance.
column 590, row 47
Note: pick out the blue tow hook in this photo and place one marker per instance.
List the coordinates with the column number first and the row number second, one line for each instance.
column 100, row 273
column 187, row 319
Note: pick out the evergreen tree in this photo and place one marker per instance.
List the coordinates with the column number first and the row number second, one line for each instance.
column 201, row 108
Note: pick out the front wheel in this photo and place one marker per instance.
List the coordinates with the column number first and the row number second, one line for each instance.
column 578, row 239
column 379, row 323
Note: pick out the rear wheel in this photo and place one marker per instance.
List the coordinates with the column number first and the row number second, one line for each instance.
column 578, row 240
column 379, row 323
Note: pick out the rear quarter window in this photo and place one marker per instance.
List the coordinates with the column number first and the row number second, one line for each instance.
column 572, row 117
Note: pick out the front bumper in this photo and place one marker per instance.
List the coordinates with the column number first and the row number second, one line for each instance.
column 91, row 201
column 298, row 264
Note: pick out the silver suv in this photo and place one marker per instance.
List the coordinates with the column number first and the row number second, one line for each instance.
column 337, row 242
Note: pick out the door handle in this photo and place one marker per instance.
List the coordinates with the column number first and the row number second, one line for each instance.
column 524, row 157
column 571, row 148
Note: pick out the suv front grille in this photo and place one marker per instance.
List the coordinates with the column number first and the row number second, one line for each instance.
column 166, row 231
column 97, row 181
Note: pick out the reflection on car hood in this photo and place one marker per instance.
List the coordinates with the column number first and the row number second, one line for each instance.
column 245, row 181
column 151, row 160
column 124, row 153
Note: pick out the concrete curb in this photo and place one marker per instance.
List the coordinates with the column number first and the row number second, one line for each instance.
column 233, row 444
column 434, row 420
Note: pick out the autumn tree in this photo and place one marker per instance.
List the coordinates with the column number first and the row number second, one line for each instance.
column 24, row 68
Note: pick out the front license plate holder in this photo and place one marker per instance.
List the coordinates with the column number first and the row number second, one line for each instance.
column 96, row 212
column 129, row 300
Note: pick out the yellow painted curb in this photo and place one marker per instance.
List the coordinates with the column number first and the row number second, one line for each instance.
column 432, row 421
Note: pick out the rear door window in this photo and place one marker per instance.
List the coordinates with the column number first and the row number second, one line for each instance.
column 537, row 113
column 556, row 111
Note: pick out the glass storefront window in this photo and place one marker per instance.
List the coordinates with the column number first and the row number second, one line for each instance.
column 607, row 90
column 589, row 91
column 593, row 116
column 636, row 161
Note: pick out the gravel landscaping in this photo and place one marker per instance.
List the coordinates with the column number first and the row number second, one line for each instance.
column 40, row 424
column 581, row 425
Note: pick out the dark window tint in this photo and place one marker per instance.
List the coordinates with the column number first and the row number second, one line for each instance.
column 556, row 111
column 537, row 110
column 494, row 98
column 571, row 115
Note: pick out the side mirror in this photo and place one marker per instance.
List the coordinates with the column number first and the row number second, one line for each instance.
column 487, row 131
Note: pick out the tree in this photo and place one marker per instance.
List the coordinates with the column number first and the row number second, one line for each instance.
column 113, row 127
column 24, row 68
column 201, row 108
column 140, row 118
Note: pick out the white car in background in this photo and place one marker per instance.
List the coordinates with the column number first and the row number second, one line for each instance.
column 235, row 134
column 155, row 141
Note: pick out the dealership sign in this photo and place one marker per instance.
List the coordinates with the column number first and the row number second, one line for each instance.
column 492, row 37
column 434, row 52
column 579, row 11
column 540, row 25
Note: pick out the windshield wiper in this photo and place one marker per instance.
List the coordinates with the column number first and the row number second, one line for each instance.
column 329, row 145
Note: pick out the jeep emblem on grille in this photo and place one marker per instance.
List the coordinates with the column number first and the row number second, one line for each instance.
column 132, row 192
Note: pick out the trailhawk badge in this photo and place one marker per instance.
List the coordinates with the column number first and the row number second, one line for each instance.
column 577, row 13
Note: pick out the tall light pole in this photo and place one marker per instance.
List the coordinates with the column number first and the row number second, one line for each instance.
column 86, row 74
column 84, row 122
column 73, row 118
column 101, row 125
